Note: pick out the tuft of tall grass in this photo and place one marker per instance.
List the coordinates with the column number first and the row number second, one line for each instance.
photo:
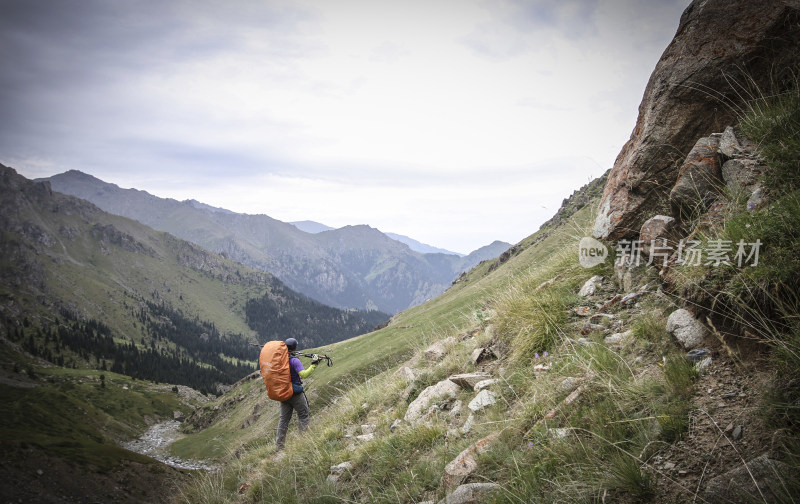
column 772, row 120
column 532, row 315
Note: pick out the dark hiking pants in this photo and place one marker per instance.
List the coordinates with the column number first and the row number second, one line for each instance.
column 299, row 403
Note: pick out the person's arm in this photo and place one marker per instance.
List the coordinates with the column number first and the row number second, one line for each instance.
column 307, row 372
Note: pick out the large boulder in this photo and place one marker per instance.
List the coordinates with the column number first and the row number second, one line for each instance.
column 720, row 47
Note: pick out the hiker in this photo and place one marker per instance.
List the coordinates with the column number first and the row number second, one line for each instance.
column 298, row 401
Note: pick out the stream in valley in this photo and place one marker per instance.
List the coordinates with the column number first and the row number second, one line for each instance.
column 155, row 444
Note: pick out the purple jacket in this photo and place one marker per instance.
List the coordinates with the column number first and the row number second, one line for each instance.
column 295, row 366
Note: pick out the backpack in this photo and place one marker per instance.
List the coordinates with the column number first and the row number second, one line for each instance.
column 274, row 365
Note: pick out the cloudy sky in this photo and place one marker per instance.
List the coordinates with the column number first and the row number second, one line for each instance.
column 455, row 122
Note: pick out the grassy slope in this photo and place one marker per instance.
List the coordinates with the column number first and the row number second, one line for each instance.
column 358, row 359
column 642, row 402
column 99, row 286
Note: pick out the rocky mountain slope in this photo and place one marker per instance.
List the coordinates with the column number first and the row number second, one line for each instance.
column 351, row 267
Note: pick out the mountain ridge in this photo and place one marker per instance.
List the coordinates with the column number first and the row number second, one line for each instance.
column 323, row 266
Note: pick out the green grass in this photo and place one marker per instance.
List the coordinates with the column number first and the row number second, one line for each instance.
column 69, row 413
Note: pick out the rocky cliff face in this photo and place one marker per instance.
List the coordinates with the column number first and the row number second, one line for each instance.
column 723, row 51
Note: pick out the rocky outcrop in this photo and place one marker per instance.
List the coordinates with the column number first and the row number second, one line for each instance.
column 721, row 46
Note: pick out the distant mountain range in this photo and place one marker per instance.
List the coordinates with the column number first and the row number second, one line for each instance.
column 111, row 291
column 355, row 267
column 423, row 248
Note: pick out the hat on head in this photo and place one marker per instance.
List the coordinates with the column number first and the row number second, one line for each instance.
column 291, row 344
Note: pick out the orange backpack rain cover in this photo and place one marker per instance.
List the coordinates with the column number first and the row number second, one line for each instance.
column 274, row 365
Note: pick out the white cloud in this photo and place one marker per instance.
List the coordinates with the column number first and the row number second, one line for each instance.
column 432, row 119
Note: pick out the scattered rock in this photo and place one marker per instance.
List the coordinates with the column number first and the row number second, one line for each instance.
column 569, row 384
column 468, row 424
column 757, row 198
column 698, row 354
column 737, row 433
column 368, row 428
column 443, row 389
column 469, row 380
column 591, row 286
column 396, row 425
column 339, row 470
column 471, row 493
column 178, row 416
column 480, row 354
column 658, row 237
column 465, row 463
column 485, row 383
column 407, row 373
column 583, row 311
column 484, row 399
column 689, row 331
column 728, row 144
column 703, row 365
column 365, row 438
column 618, row 338
column 436, row 351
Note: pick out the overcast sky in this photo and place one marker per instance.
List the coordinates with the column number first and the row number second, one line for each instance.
column 455, row 122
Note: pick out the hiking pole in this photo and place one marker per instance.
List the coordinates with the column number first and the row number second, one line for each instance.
column 319, row 356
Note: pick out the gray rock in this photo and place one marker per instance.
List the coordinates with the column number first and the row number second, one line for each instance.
column 339, row 470
column 699, row 177
column 485, row 383
column 658, row 236
column 686, row 329
column 468, row 424
column 729, row 145
column 465, row 463
column 480, row 354
column 569, row 384
column 698, row 354
column 741, row 173
column 618, row 338
column 591, row 286
column 703, row 365
column 439, row 349
column 396, row 425
column 420, row 405
column 757, row 198
column 484, row 399
column 760, row 480
column 471, row 493
column 469, row 380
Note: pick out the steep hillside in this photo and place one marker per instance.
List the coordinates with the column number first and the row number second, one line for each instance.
column 351, row 267
column 661, row 368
